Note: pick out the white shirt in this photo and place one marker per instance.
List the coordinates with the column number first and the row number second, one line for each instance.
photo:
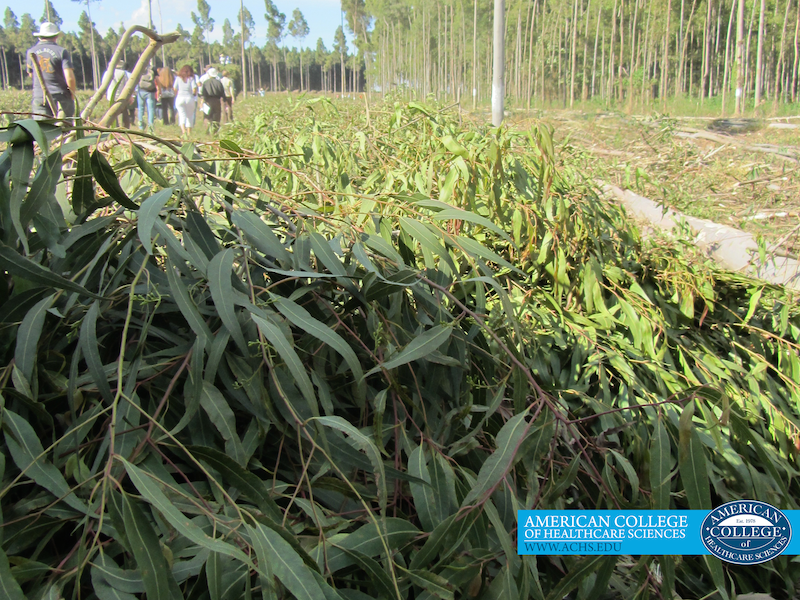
column 118, row 82
column 230, row 90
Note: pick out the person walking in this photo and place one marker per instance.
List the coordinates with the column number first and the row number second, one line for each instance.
column 166, row 93
column 185, row 87
column 212, row 93
column 201, row 80
column 146, row 97
column 228, row 99
column 59, row 77
column 118, row 81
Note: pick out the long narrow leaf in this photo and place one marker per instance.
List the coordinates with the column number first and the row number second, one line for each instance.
column 293, row 363
column 300, row 317
column 421, row 346
column 149, row 490
column 221, row 415
column 692, row 462
column 187, row 307
column 42, row 187
column 90, row 347
column 107, row 179
column 286, row 564
column 502, row 459
column 660, row 459
column 28, row 336
column 148, row 169
column 219, row 282
column 362, row 442
column 146, row 550
column 148, row 213
column 28, row 454
column 8, row 585
column 245, row 481
column 21, row 266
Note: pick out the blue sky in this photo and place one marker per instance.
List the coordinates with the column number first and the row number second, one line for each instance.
column 323, row 16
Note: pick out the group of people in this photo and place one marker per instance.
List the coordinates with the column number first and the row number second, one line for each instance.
column 180, row 95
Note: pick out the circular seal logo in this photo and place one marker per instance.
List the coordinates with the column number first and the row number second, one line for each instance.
column 746, row 532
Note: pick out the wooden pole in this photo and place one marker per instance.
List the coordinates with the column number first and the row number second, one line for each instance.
column 48, row 96
column 498, row 65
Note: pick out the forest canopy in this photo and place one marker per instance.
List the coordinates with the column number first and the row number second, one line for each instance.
column 557, row 51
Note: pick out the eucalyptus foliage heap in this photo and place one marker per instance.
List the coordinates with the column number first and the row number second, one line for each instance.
column 335, row 364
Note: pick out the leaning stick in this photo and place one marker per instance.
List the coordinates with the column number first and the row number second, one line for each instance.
column 156, row 41
column 50, row 100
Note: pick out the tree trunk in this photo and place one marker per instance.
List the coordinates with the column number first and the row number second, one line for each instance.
column 682, row 52
column 679, row 53
column 475, row 56
column 244, row 70
column 8, row 73
column 560, row 63
column 726, row 67
column 739, row 61
column 689, row 66
column 665, row 59
column 634, row 59
column 572, row 60
column 530, row 89
column 498, row 67
column 747, row 77
column 760, row 54
column 621, row 48
column 584, row 87
column 714, row 72
column 594, row 57
column 706, row 54
column 796, row 55
column 3, row 68
column 83, row 70
column 610, row 91
column 452, row 54
column 648, row 55
column 603, row 68
column 780, row 53
column 252, row 69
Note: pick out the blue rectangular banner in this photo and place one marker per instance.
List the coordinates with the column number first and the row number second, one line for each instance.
column 736, row 531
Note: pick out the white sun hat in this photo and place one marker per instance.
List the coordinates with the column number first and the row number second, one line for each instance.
column 47, row 30
column 212, row 72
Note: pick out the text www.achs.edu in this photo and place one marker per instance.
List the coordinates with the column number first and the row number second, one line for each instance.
column 555, row 547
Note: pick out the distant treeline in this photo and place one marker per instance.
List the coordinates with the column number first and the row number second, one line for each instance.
column 627, row 51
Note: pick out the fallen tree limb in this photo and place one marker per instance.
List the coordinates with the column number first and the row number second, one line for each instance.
column 721, row 139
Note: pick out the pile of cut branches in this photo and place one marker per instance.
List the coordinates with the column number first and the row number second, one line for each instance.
column 331, row 360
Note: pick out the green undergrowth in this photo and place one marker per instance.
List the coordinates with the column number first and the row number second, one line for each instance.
column 331, row 355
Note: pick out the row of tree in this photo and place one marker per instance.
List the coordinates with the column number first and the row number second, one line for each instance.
column 272, row 66
column 628, row 51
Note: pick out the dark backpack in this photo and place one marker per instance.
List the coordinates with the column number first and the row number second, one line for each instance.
column 213, row 88
column 148, row 81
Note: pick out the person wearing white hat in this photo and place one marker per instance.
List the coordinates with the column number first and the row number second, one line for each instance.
column 57, row 72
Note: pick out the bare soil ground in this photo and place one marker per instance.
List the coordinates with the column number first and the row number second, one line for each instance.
column 750, row 180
